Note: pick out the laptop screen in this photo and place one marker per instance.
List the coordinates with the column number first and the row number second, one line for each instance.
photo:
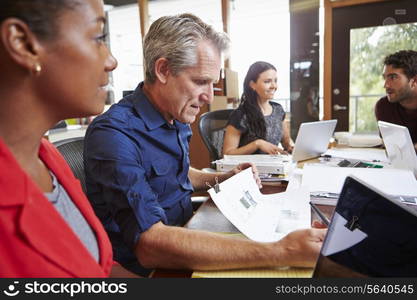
column 399, row 146
column 313, row 139
column 369, row 236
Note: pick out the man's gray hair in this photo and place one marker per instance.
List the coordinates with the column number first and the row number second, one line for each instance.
column 176, row 38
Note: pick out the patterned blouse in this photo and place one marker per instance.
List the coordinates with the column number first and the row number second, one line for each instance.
column 273, row 126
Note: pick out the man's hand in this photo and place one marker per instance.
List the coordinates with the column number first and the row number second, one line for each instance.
column 244, row 166
column 301, row 248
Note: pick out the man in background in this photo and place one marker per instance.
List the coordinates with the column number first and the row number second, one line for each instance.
column 399, row 106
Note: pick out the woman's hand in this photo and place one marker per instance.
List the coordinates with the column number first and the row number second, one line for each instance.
column 268, row 147
column 289, row 149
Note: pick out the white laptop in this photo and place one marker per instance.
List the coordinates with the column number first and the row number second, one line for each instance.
column 399, row 146
column 313, row 139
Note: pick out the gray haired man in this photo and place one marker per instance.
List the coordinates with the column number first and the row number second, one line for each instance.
column 137, row 163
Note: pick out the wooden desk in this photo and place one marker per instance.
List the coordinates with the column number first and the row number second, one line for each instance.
column 209, row 218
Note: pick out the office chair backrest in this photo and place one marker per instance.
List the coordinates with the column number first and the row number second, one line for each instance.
column 72, row 150
column 212, row 126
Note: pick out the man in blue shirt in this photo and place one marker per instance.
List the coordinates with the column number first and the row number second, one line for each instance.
column 139, row 178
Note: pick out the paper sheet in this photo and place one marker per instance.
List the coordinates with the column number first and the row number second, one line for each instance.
column 262, row 218
column 359, row 154
column 295, row 179
column 331, row 179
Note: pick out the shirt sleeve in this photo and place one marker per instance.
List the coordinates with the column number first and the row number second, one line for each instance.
column 117, row 185
column 237, row 120
column 280, row 112
column 378, row 113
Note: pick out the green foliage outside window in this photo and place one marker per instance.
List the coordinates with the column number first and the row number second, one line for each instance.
column 368, row 48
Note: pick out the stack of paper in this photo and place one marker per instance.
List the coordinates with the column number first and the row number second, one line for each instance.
column 266, row 164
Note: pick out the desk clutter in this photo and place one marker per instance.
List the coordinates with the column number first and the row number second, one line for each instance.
column 271, row 168
column 357, row 164
column 354, row 157
column 362, row 197
column 361, row 189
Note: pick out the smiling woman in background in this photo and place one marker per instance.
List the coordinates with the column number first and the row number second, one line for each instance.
column 257, row 125
column 54, row 66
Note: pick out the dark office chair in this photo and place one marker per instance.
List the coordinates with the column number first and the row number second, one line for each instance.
column 72, row 150
column 212, row 126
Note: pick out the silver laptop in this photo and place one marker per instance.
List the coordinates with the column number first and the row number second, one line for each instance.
column 370, row 235
column 313, row 139
column 399, row 146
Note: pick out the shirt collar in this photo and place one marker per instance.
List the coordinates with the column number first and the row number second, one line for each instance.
column 148, row 113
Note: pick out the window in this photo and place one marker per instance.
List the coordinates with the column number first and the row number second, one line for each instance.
column 260, row 30
column 126, row 46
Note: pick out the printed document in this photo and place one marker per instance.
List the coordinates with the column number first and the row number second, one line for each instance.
column 263, row 218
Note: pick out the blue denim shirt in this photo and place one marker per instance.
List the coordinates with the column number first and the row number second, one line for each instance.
column 136, row 166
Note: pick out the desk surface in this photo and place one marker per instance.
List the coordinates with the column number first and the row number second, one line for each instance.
column 209, row 218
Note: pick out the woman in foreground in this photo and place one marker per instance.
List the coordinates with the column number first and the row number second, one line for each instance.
column 54, row 66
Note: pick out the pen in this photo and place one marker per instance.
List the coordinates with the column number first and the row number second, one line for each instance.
column 320, row 214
